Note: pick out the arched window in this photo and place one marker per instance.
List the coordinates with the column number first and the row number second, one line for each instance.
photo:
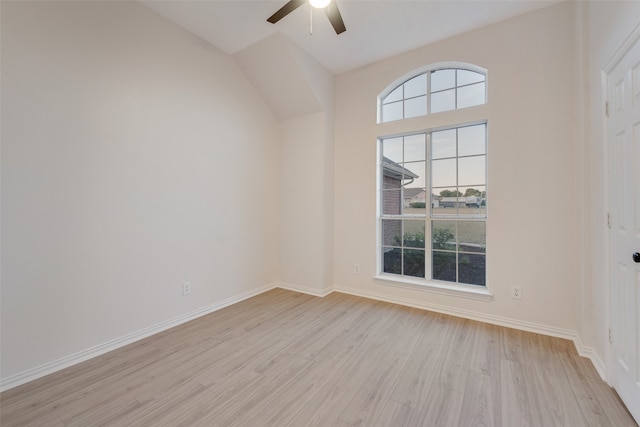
column 432, row 188
column 434, row 91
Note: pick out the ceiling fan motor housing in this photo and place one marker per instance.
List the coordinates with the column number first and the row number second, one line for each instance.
column 330, row 8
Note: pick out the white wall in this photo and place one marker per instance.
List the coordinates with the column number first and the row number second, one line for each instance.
column 531, row 177
column 302, row 247
column 134, row 157
column 306, row 214
column 606, row 26
column 300, row 91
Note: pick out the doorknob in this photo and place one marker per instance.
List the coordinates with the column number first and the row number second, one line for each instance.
column 636, row 256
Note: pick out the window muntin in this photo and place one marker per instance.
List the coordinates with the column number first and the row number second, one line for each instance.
column 443, row 238
column 433, row 92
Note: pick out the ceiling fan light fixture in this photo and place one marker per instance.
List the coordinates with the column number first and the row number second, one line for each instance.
column 319, row 4
column 330, row 9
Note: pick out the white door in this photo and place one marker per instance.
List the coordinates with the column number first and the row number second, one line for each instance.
column 623, row 87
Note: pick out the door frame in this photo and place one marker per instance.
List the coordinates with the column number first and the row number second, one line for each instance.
column 613, row 62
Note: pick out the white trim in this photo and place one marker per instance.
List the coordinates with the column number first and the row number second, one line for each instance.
column 604, row 149
column 590, row 354
column 303, row 289
column 611, row 308
column 582, row 350
column 506, row 322
column 67, row 361
column 466, row 314
column 613, row 62
column 622, row 50
column 538, row 328
column 49, row 368
column 472, row 292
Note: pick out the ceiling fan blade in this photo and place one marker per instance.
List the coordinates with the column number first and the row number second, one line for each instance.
column 333, row 13
column 285, row 10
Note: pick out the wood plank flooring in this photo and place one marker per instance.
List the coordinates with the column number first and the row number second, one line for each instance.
column 289, row 359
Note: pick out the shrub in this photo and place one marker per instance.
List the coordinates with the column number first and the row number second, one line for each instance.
column 442, row 239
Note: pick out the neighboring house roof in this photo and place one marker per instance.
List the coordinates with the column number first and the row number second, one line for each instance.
column 394, row 170
column 410, row 193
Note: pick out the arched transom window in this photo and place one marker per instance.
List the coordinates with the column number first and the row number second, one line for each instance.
column 434, row 91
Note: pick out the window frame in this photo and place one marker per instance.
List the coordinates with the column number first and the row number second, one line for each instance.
column 427, row 124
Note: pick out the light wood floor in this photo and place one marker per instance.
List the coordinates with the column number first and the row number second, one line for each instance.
column 288, row 359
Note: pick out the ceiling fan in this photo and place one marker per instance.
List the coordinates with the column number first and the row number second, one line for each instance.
column 330, row 7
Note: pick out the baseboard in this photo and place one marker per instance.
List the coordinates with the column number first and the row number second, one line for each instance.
column 65, row 362
column 573, row 336
column 49, row 368
column 303, row 289
column 466, row 314
column 590, row 354
column 538, row 328
column 488, row 318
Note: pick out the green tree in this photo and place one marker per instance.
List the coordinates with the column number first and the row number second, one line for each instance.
column 450, row 193
column 472, row 192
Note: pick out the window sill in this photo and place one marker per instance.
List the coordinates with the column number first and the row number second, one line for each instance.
column 464, row 291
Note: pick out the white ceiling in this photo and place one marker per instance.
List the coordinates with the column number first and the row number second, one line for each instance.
column 376, row 29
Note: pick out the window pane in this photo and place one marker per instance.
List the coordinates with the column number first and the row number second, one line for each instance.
column 436, row 203
column 472, row 236
column 443, row 101
column 415, row 107
column 413, row 262
column 443, row 235
column 415, row 175
column 468, row 96
column 443, row 144
column 392, row 149
column 391, row 112
column 445, row 201
column 392, row 260
column 415, row 201
column 444, row 266
column 471, row 140
column 466, row 77
column 471, row 269
column 475, row 200
column 416, row 86
column 414, row 147
column 395, row 95
column 471, row 170
column 473, row 191
column 443, row 173
column 391, row 232
column 443, row 79
column 481, row 211
column 413, row 234
column 391, row 204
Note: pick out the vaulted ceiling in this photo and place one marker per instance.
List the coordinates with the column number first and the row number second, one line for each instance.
column 376, row 29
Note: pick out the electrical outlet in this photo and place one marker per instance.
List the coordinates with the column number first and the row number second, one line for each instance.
column 186, row 288
column 516, row 292
column 356, row 268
